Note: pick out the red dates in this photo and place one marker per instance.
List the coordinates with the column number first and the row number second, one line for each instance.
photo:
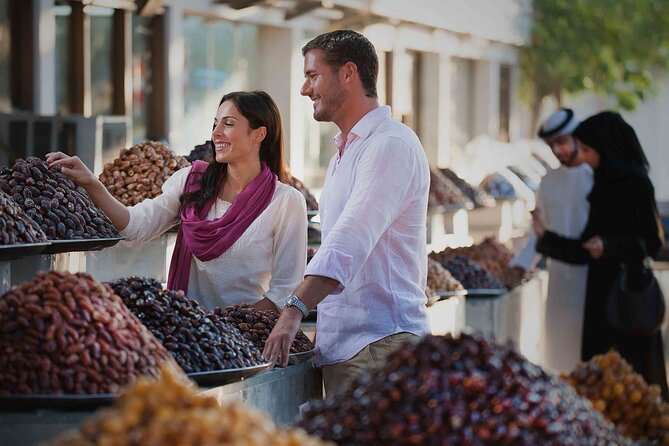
column 458, row 391
column 67, row 333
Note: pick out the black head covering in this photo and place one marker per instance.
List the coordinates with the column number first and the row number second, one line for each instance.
column 614, row 139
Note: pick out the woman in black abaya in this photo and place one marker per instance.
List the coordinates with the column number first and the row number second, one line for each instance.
column 623, row 227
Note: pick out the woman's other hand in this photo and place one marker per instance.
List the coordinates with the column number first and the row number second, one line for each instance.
column 538, row 223
column 72, row 167
column 595, row 246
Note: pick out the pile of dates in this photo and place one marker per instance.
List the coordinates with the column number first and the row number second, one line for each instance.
column 440, row 279
column 471, row 274
column 169, row 412
column 458, row 391
column 498, row 187
column 67, row 333
column 15, row 226
column 312, row 204
column 443, row 192
column 53, row 201
column 614, row 389
column 140, row 171
column 256, row 325
column 199, row 340
column 478, row 196
column 491, row 254
column 203, row 152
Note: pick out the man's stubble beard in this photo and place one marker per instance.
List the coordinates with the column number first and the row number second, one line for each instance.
column 330, row 107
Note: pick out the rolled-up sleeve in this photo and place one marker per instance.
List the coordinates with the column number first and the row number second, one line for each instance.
column 290, row 249
column 154, row 216
column 383, row 177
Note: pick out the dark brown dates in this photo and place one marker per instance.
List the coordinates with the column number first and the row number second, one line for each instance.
column 199, row 340
column 53, row 201
column 256, row 325
column 470, row 274
column 15, row 226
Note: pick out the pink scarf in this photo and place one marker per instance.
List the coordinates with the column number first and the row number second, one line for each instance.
column 209, row 239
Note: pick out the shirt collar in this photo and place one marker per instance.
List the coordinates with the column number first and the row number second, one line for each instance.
column 363, row 127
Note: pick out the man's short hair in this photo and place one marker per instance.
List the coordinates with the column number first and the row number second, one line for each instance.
column 342, row 46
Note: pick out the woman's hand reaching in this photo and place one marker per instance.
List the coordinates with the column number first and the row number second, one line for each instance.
column 73, row 168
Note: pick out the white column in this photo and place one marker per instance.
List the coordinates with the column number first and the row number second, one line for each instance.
column 431, row 106
column 44, row 58
column 444, row 115
column 518, row 109
column 486, row 111
column 175, row 53
column 281, row 76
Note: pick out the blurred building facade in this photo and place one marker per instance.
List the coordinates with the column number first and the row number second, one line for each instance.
column 156, row 69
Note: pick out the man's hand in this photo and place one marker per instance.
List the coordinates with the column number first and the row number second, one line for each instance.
column 595, row 246
column 277, row 346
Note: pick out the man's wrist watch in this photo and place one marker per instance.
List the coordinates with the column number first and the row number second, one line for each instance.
column 294, row 301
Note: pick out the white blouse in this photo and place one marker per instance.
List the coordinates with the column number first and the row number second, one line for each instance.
column 268, row 260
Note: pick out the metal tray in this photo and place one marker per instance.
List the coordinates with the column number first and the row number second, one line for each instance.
column 55, row 401
column 220, row 377
column 298, row 358
column 12, row 252
column 486, row 292
column 452, row 293
column 88, row 244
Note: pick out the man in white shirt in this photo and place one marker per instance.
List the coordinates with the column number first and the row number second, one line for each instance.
column 563, row 205
column 369, row 273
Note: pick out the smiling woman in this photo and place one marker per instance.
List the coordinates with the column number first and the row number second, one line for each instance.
column 243, row 233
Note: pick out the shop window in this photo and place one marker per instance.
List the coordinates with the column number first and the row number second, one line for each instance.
column 5, row 48
column 220, row 58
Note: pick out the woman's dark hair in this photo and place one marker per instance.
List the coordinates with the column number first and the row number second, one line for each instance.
column 261, row 111
column 614, row 139
column 343, row 46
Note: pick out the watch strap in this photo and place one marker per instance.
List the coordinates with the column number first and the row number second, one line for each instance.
column 294, row 301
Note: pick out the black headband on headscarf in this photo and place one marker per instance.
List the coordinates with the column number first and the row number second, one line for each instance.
column 613, row 138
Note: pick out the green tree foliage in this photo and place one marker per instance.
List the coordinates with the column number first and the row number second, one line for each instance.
column 612, row 47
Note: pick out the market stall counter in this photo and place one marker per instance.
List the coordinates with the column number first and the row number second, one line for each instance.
column 278, row 392
column 516, row 315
